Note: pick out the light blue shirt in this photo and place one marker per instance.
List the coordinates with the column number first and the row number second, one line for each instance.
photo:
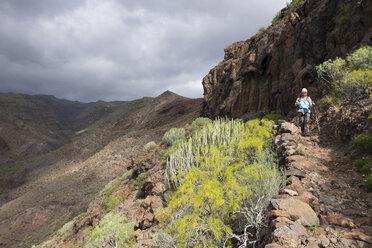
column 305, row 103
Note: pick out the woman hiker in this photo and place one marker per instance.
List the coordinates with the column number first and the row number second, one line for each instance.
column 304, row 103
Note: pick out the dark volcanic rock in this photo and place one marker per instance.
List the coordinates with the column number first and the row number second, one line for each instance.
column 267, row 71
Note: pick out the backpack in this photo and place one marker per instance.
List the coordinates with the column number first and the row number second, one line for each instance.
column 307, row 99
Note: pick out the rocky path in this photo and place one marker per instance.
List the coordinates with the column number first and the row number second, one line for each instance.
column 324, row 203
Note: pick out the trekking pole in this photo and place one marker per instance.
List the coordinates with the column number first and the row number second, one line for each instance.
column 316, row 119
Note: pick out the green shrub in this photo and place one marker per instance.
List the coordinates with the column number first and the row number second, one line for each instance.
column 363, row 142
column 63, row 234
column 262, row 29
column 149, row 147
column 113, row 184
column 80, row 216
column 328, row 100
column 65, row 230
column 273, row 117
column 113, row 231
column 360, row 79
column 163, row 154
column 138, row 182
column 314, row 227
column 87, row 231
column 370, row 117
column 163, row 240
column 291, row 7
column 367, row 168
column 364, row 165
column 350, row 78
column 225, row 175
column 140, row 194
column 198, row 124
column 361, row 58
column 359, row 163
column 109, row 202
column 173, row 134
column 277, row 17
column 368, row 183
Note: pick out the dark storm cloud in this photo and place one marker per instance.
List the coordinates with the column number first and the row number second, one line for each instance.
column 119, row 49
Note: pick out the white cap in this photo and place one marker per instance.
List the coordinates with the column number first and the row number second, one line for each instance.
column 303, row 90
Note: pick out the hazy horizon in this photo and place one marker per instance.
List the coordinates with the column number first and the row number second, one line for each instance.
column 98, row 100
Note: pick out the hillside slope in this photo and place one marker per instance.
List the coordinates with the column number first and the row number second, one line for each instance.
column 49, row 188
column 267, row 71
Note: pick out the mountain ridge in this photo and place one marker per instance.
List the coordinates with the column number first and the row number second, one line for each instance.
column 114, row 165
column 47, row 185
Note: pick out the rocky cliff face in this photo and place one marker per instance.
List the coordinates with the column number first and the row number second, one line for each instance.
column 267, row 71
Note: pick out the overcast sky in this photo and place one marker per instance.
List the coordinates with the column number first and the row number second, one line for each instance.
column 91, row 50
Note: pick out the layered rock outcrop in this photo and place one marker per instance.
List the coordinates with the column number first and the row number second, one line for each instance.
column 267, row 71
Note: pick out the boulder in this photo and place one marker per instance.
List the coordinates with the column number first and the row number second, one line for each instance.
column 288, row 127
column 307, row 218
column 324, row 241
column 283, row 220
column 339, row 220
column 312, row 243
column 294, row 18
column 363, row 221
column 296, row 186
column 92, row 219
column 153, row 188
column 290, row 136
column 357, row 235
column 147, row 213
column 300, row 163
column 295, row 172
column 290, row 192
column 287, row 214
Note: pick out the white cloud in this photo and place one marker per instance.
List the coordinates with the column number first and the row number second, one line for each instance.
column 109, row 49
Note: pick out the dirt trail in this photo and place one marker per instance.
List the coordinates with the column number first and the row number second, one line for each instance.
column 344, row 203
column 324, row 178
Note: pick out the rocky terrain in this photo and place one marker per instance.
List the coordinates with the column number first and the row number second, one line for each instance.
column 57, row 183
column 266, row 72
column 324, row 203
column 144, row 196
column 67, row 166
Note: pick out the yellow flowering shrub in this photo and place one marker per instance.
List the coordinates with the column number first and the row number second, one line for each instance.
column 224, row 183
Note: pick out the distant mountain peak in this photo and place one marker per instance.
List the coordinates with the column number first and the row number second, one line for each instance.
column 168, row 93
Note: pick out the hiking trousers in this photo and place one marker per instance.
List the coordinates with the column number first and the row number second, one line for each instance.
column 304, row 122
